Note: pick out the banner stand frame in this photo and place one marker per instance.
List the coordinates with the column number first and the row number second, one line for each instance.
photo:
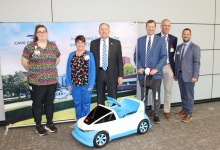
column 27, row 125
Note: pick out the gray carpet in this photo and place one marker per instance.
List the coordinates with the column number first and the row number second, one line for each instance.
column 201, row 133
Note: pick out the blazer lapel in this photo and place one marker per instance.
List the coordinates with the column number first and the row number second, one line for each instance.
column 110, row 44
column 98, row 45
column 144, row 45
column 154, row 42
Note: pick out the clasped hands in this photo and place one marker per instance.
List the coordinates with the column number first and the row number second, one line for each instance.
column 153, row 71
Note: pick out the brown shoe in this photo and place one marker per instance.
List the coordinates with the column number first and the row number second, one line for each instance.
column 187, row 118
column 181, row 113
column 151, row 115
column 167, row 116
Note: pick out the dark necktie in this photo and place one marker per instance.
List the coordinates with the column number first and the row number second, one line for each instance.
column 148, row 53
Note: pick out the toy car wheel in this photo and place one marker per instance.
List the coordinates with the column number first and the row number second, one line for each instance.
column 101, row 139
column 143, row 127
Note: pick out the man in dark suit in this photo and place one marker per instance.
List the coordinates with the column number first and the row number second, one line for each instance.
column 187, row 66
column 109, row 66
column 151, row 53
column 168, row 69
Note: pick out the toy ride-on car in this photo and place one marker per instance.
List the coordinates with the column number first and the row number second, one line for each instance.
column 104, row 124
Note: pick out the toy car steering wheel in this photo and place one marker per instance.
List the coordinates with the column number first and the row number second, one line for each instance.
column 112, row 101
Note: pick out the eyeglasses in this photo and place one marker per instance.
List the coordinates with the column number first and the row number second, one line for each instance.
column 39, row 32
column 80, row 43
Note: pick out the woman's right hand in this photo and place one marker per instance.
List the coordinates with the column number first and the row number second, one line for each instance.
column 69, row 88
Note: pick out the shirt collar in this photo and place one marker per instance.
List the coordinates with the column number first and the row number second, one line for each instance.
column 162, row 35
column 152, row 36
column 107, row 39
column 187, row 43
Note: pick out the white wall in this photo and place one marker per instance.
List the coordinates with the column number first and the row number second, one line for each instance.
column 202, row 17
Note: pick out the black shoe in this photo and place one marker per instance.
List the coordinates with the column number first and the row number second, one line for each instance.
column 156, row 120
column 40, row 130
column 50, row 127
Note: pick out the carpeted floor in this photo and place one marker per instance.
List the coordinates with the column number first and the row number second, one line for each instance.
column 201, row 133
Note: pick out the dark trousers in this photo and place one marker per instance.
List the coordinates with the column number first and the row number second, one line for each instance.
column 156, row 94
column 101, row 83
column 187, row 94
column 43, row 96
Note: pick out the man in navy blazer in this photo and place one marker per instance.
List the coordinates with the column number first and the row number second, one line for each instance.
column 187, row 66
column 151, row 53
column 113, row 75
column 168, row 69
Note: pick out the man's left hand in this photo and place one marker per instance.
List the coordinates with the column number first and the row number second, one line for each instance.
column 193, row 80
column 120, row 80
column 153, row 72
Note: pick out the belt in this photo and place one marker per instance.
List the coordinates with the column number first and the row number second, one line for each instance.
column 100, row 68
column 180, row 70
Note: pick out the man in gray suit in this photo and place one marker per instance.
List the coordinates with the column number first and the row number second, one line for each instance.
column 187, row 65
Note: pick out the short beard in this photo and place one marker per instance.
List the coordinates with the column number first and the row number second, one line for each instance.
column 186, row 41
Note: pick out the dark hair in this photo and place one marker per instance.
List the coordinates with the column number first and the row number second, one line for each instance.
column 151, row 21
column 105, row 24
column 186, row 30
column 35, row 32
column 80, row 38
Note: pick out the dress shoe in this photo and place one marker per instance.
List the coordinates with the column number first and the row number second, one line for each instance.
column 167, row 116
column 187, row 118
column 181, row 113
column 151, row 115
column 156, row 120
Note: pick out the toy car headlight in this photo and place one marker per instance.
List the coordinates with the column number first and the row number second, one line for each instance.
column 87, row 130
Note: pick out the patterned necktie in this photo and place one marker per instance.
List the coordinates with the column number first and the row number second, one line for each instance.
column 104, row 57
column 166, row 39
column 148, row 53
column 181, row 58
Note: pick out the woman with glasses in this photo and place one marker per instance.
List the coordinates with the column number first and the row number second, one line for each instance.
column 80, row 77
column 40, row 59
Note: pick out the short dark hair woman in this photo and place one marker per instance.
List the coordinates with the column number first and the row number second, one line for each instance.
column 80, row 77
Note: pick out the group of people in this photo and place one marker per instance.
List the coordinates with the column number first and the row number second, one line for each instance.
column 103, row 66
column 169, row 62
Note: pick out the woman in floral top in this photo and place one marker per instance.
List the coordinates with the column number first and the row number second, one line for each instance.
column 80, row 77
column 40, row 59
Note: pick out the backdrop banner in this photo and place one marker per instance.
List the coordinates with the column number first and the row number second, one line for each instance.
column 16, row 95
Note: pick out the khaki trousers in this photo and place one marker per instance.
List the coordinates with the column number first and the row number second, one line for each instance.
column 167, row 82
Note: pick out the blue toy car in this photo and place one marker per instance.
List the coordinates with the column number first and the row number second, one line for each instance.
column 104, row 124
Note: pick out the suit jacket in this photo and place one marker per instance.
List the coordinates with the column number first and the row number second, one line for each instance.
column 115, row 64
column 172, row 43
column 190, row 62
column 157, row 58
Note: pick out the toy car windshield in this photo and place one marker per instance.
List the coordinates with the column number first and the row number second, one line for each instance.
column 95, row 114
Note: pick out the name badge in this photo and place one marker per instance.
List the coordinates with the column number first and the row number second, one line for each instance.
column 37, row 52
column 178, row 52
column 171, row 49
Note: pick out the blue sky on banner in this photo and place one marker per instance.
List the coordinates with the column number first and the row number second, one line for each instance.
column 15, row 36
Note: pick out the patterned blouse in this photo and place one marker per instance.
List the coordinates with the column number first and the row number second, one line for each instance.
column 79, row 70
column 42, row 63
